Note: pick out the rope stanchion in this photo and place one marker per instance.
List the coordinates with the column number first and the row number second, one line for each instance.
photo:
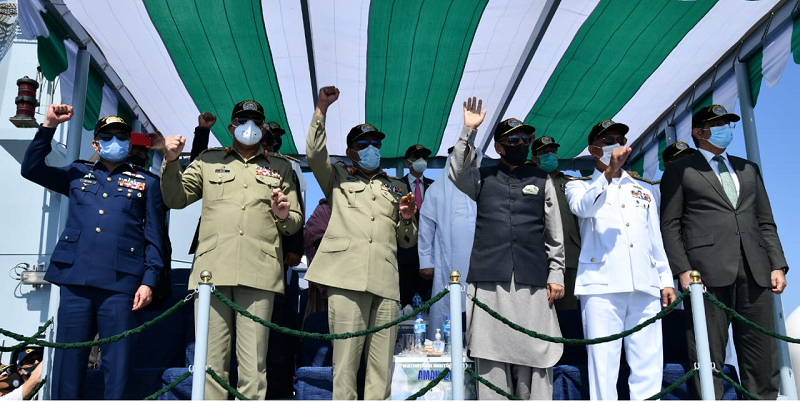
column 169, row 386
column 35, row 390
column 593, row 341
column 225, row 385
column 735, row 385
column 424, row 390
column 27, row 340
column 491, row 386
column 751, row 324
column 668, row 390
column 314, row 335
column 111, row 339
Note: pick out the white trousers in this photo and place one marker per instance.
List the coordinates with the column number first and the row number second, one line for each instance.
column 613, row 313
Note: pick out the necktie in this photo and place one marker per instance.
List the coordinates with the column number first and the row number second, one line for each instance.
column 417, row 194
column 726, row 179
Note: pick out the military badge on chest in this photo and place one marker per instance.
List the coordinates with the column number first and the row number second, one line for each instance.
column 391, row 189
column 267, row 172
column 642, row 198
column 131, row 183
column 88, row 179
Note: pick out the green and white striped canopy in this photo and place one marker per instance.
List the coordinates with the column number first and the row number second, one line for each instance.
column 406, row 66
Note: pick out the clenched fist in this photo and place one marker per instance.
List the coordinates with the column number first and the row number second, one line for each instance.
column 174, row 146
column 327, row 95
column 206, row 120
column 618, row 157
column 408, row 206
column 57, row 114
column 280, row 204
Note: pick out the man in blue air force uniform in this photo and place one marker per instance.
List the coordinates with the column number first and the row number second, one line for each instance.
column 109, row 256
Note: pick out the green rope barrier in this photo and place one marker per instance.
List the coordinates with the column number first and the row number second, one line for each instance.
column 35, row 390
column 735, row 384
column 424, row 390
column 593, row 341
column 668, row 390
column 169, row 386
column 491, row 386
column 225, row 385
column 751, row 324
column 111, row 339
column 315, row 335
column 27, row 340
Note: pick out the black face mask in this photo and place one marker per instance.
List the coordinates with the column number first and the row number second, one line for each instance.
column 136, row 160
column 515, row 155
column 13, row 381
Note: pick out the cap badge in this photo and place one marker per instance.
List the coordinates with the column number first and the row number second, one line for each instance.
column 365, row 128
column 274, row 125
column 114, row 119
column 606, row 123
column 681, row 145
column 249, row 105
column 547, row 140
column 718, row 110
column 514, row 123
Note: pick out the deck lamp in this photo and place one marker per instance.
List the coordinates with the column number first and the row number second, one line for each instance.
column 26, row 103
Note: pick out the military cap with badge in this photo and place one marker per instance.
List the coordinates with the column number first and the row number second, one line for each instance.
column 676, row 151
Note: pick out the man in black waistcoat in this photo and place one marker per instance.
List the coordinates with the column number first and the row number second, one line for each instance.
column 517, row 262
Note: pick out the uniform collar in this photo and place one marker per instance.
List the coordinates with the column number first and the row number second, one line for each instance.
column 625, row 176
column 353, row 171
column 124, row 166
column 229, row 151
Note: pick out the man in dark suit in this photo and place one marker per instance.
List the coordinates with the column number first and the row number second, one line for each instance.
column 412, row 278
column 716, row 218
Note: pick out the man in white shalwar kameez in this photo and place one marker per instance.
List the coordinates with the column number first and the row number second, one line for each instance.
column 446, row 232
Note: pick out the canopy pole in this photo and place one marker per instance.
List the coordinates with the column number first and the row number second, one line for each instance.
column 74, row 134
column 400, row 169
column 788, row 386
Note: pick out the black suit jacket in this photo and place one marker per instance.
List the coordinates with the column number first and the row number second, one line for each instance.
column 409, row 255
column 703, row 231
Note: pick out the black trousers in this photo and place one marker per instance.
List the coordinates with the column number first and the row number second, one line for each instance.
column 757, row 353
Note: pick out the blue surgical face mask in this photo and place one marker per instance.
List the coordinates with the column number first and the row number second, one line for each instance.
column 370, row 158
column 721, row 136
column 114, row 150
column 548, row 162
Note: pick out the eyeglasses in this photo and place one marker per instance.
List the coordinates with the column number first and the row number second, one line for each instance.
column 362, row 144
column 611, row 140
column 723, row 123
column 122, row 136
column 516, row 139
column 244, row 120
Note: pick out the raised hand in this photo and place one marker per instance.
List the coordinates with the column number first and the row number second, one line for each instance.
column 206, row 120
column 618, row 157
column 159, row 142
column 174, row 146
column 280, row 204
column 473, row 115
column 57, row 114
column 408, row 206
column 327, row 95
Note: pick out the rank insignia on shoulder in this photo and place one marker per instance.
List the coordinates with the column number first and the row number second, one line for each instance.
column 391, row 189
column 131, row 183
column 577, row 178
column 267, row 172
column 530, row 189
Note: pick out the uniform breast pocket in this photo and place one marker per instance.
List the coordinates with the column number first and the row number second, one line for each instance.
column 220, row 186
column 83, row 193
column 267, row 184
column 391, row 208
column 354, row 192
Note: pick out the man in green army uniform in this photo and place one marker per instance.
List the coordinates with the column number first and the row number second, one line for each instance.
column 545, row 155
column 249, row 201
column 371, row 214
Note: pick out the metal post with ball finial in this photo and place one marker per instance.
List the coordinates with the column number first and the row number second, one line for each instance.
column 456, row 337
column 703, row 364
column 201, row 337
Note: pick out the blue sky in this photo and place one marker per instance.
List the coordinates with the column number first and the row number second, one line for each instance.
column 778, row 127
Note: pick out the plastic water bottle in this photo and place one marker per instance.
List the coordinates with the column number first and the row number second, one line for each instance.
column 416, row 301
column 419, row 334
column 446, row 331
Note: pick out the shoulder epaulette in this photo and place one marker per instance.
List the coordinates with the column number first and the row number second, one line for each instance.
column 85, row 162
column 577, row 178
column 640, row 178
column 215, row 149
column 291, row 158
column 140, row 169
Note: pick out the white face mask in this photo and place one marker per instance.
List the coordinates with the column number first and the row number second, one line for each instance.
column 419, row 165
column 606, row 158
column 248, row 133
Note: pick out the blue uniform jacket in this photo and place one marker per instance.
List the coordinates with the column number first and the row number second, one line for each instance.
column 114, row 233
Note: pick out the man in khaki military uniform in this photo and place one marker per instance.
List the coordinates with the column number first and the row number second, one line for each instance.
column 545, row 155
column 249, row 201
column 357, row 259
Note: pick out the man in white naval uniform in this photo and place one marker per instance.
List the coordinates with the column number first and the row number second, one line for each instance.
column 446, row 231
column 517, row 260
column 623, row 275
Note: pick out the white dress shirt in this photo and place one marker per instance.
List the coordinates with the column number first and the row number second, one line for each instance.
column 410, row 177
column 715, row 166
column 621, row 246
